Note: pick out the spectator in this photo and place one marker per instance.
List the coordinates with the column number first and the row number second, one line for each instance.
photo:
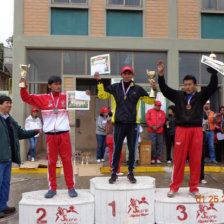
column 101, row 133
column 220, row 134
column 33, row 122
column 11, row 132
column 204, row 147
column 209, row 132
column 170, row 128
column 155, row 119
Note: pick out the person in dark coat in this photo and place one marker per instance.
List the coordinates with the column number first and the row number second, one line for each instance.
column 10, row 133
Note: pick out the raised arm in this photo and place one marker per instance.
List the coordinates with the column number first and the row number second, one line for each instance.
column 166, row 90
column 211, row 87
column 102, row 94
column 31, row 99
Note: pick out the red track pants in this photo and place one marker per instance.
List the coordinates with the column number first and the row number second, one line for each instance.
column 60, row 144
column 110, row 145
column 188, row 141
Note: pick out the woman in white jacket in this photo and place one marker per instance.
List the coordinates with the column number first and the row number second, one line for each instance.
column 33, row 122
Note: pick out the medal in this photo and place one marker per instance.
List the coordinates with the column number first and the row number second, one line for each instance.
column 55, row 110
column 125, row 93
column 188, row 107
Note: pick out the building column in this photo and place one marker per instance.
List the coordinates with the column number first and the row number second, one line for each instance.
column 19, row 57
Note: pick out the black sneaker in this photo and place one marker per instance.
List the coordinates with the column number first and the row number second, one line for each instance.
column 131, row 178
column 2, row 215
column 113, row 178
column 9, row 210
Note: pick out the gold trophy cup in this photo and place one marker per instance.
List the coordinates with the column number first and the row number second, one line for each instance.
column 22, row 83
column 152, row 75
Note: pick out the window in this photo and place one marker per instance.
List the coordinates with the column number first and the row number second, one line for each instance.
column 124, row 23
column 213, row 4
column 212, row 26
column 190, row 63
column 74, row 62
column 130, row 3
column 69, row 21
column 43, row 64
column 144, row 61
column 70, row 1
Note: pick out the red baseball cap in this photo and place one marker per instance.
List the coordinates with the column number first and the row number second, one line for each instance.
column 34, row 110
column 127, row 68
column 104, row 110
column 158, row 103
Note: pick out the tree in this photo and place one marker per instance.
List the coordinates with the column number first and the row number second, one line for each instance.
column 9, row 41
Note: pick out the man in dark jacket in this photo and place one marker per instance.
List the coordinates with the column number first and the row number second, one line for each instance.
column 126, row 97
column 10, row 133
column 189, row 137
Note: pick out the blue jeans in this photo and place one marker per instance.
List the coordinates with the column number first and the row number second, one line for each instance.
column 101, row 145
column 209, row 138
column 33, row 145
column 5, row 176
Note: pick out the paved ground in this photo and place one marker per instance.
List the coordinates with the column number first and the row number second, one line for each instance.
column 31, row 182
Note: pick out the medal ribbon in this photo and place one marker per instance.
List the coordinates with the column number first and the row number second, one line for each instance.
column 125, row 93
column 55, row 104
column 189, row 100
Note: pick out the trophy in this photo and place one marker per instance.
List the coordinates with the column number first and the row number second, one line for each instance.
column 152, row 75
column 22, row 83
column 82, row 157
column 87, row 158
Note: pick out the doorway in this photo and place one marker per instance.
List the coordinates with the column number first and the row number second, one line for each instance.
column 85, row 133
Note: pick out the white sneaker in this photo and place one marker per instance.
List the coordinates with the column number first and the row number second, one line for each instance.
column 153, row 161
column 169, row 162
column 204, row 181
column 32, row 159
column 98, row 160
column 120, row 174
column 158, row 161
column 102, row 160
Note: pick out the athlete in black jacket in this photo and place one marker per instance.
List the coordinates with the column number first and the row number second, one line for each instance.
column 189, row 137
column 126, row 97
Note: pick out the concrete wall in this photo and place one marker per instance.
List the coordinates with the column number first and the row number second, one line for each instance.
column 170, row 26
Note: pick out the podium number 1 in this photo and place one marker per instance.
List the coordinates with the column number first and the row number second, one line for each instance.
column 113, row 205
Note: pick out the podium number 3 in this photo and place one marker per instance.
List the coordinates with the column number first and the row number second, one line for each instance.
column 182, row 210
column 40, row 219
column 113, row 205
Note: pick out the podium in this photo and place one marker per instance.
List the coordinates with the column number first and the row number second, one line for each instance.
column 123, row 202
column 183, row 208
column 61, row 209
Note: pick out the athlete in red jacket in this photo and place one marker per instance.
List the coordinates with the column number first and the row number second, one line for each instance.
column 56, row 127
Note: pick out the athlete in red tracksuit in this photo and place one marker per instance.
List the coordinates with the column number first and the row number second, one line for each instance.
column 188, row 137
column 56, row 127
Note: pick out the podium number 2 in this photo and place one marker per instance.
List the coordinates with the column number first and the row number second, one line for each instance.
column 182, row 210
column 113, row 205
column 40, row 219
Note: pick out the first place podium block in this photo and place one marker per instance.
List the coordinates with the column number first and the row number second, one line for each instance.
column 123, row 202
column 61, row 209
column 183, row 208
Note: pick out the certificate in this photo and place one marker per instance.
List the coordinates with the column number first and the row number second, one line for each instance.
column 101, row 64
column 215, row 64
column 72, row 103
